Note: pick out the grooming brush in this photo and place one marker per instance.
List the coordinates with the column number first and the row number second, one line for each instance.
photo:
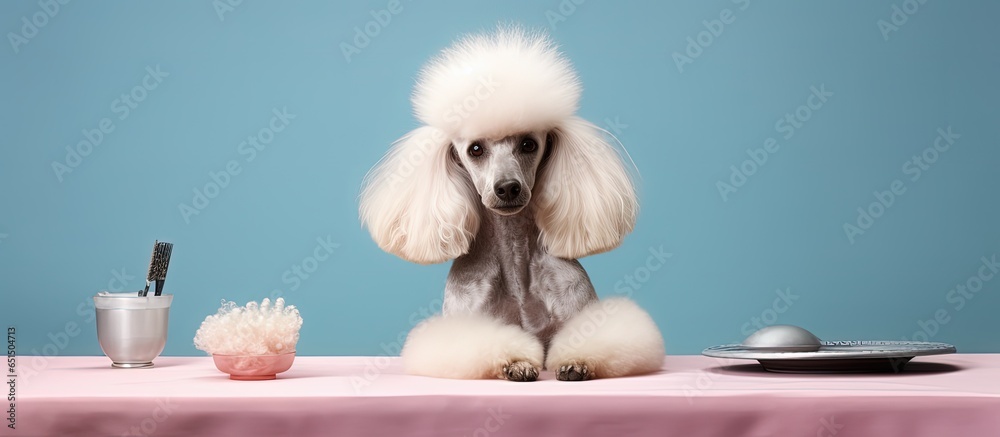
column 158, row 263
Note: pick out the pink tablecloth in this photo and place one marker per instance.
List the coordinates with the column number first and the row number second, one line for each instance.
column 956, row 395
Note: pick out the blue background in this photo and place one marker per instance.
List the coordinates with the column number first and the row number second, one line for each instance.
column 61, row 241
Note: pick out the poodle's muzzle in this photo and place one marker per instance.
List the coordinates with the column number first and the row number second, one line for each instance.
column 509, row 196
column 503, row 171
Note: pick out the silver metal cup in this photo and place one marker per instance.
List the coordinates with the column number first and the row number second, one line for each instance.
column 132, row 330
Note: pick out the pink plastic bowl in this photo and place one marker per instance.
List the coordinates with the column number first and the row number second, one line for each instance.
column 254, row 367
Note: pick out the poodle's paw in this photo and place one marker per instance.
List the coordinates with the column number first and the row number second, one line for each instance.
column 574, row 372
column 520, row 371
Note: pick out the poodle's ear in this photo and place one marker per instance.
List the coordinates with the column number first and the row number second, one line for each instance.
column 417, row 203
column 587, row 202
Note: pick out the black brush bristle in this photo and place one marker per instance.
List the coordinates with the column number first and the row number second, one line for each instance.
column 159, row 264
column 159, row 261
column 149, row 274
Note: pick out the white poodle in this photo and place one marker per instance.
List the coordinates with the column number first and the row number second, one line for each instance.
column 507, row 181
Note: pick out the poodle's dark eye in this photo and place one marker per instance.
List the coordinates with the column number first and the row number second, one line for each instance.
column 476, row 149
column 528, row 145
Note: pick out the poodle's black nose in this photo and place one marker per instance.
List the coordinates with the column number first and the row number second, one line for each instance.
column 507, row 190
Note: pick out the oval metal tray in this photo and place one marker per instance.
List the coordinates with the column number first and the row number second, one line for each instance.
column 836, row 356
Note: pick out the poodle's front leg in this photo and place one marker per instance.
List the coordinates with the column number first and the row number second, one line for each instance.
column 607, row 339
column 471, row 346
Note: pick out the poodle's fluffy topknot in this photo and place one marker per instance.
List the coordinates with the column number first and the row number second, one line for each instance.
column 495, row 84
column 418, row 206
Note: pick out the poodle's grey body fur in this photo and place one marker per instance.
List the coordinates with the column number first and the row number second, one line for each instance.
column 510, row 276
